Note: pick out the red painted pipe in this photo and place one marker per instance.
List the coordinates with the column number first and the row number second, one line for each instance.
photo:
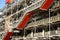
column 21, row 25
column 7, row 36
column 46, row 4
column 24, row 21
column 27, row 17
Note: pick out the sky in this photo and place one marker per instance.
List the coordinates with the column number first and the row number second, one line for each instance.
column 2, row 3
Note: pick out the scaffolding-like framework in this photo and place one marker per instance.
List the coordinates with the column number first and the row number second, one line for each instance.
column 42, row 25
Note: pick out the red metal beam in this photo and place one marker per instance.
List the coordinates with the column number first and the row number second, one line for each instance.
column 27, row 17
column 46, row 4
column 7, row 36
column 24, row 21
column 21, row 24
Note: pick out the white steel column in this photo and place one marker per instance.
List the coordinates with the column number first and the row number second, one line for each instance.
column 49, row 24
column 56, row 31
column 32, row 34
column 24, row 38
column 43, row 32
column 49, row 33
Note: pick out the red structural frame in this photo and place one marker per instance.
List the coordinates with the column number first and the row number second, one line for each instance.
column 7, row 36
column 27, row 17
column 46, row 4
column 24, row 21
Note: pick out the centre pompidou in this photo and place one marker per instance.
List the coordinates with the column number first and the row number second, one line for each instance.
column 30, row 20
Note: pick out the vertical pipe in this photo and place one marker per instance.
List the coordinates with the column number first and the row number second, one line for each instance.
column 24, row 34
column 32, row 34
column 43, row 32
column 49, row 24
column 56, row 31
